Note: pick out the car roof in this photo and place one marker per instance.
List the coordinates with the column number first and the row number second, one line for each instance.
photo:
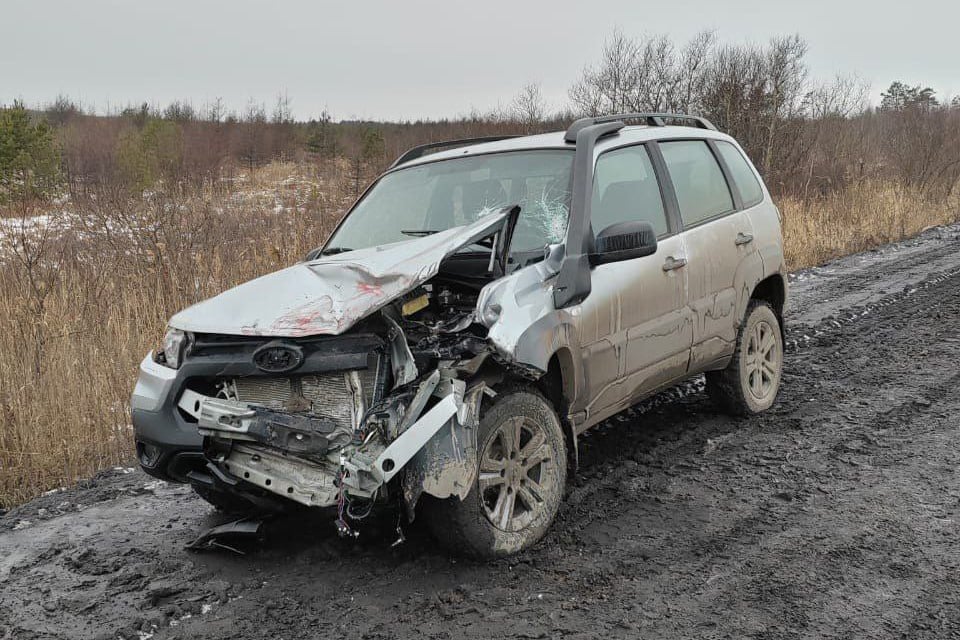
column 555, row 140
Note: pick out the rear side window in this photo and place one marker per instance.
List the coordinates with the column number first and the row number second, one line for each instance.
column 702, row 191
column 742, row 174
column 626, row 189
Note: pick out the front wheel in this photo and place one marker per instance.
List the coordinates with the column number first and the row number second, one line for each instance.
column 751, row 381
column 522, row 474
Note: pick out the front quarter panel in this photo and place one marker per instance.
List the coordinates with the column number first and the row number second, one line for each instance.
column 528, row 329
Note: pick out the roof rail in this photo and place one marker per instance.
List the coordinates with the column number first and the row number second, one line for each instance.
column 651, row 119
column 421, row 150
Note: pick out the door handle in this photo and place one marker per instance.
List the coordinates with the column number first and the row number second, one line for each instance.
column 743, row 238
column 674, row 263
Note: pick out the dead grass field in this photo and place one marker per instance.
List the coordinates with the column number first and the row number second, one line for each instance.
column 860, row 217
column 87, row 286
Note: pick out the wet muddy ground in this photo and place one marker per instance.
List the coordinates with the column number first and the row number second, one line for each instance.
column 833, row 515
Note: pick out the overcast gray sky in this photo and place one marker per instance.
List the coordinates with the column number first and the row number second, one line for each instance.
column 391, row 59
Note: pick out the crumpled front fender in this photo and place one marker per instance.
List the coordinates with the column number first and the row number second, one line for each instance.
column 447, row 465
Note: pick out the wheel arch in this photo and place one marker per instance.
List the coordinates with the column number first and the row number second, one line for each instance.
column 558, row 386
column 773, row 290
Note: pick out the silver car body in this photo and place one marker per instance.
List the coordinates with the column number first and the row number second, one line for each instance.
column 645, row 325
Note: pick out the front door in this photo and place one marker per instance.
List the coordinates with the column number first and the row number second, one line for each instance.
column 635, row 325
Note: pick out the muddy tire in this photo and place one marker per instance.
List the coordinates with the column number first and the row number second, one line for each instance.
column 523, row 471
column 751, row 381
column 223, row 501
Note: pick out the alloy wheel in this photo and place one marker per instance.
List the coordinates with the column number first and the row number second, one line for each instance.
column 763, row 361
column 517, row 474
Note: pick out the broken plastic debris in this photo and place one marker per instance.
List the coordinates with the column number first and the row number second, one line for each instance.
column 211, row 538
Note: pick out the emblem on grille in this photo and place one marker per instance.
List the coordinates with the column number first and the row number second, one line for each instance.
column 278, row 357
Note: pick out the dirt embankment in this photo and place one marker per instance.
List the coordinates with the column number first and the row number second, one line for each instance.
column 835, row 514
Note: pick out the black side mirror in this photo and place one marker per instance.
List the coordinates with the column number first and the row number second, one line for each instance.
column 624, row 241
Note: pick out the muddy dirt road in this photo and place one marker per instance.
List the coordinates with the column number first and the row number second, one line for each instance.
column 833, row 515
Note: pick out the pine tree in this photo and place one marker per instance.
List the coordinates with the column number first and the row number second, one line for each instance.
column 900, row 97
column 29, row 159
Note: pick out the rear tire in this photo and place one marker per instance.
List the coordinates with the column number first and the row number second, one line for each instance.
column 751, row 381
column 523, row 471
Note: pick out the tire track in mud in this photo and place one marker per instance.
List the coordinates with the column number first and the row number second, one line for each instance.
column 831, row 515
column 799, row 335
column 849, row 281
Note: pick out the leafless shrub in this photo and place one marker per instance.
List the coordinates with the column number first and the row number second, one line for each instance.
column 528, row 107
column 922, row 144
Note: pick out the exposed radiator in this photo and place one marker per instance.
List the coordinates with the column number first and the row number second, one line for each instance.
column 328, row 395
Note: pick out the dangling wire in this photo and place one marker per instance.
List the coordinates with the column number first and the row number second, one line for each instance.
column 343, row 528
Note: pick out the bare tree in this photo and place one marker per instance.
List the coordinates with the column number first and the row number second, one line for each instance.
column 528, row 106
column 844, row 96
column 282, row 113
column 786, row 75
column 607, row 87
column 215, row 111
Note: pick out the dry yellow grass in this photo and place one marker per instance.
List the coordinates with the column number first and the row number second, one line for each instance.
column 85, row 294
column 858, row 218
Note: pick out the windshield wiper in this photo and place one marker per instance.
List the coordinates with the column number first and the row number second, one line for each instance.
column 419, row 233
column 334, row 250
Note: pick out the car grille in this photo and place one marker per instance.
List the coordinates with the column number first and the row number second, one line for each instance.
column 328, row 395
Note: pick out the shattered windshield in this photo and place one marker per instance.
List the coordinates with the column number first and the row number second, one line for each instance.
column 439, row 195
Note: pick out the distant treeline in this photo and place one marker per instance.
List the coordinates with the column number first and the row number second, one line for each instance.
column 809, row 139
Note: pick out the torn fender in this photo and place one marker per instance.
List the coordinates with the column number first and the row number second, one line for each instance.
column 447, row 465
column 436, row 454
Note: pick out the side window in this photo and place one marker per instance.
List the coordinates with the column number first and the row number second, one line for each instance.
column 702, row 191
column 742, row 173
column 625, row 188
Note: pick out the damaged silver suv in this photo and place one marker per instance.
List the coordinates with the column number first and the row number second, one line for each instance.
column 483, row 303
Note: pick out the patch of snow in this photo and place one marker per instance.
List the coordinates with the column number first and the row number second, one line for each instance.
column 177, row 621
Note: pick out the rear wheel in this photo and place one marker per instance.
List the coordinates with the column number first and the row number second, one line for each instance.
column 751, row 381
column 522, row 474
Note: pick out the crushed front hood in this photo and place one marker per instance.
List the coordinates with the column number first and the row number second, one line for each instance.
column 329, row 295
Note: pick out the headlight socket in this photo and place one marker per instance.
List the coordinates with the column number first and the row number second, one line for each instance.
column 174, row 345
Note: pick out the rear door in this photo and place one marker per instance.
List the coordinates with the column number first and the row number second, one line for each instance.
column 635, row 329
column 718, row 236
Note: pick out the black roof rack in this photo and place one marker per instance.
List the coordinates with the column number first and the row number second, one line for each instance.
column 651, row 119
column 420, row 151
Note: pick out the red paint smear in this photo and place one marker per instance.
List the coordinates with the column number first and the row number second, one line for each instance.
column 366, row 289
column 315, row 317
